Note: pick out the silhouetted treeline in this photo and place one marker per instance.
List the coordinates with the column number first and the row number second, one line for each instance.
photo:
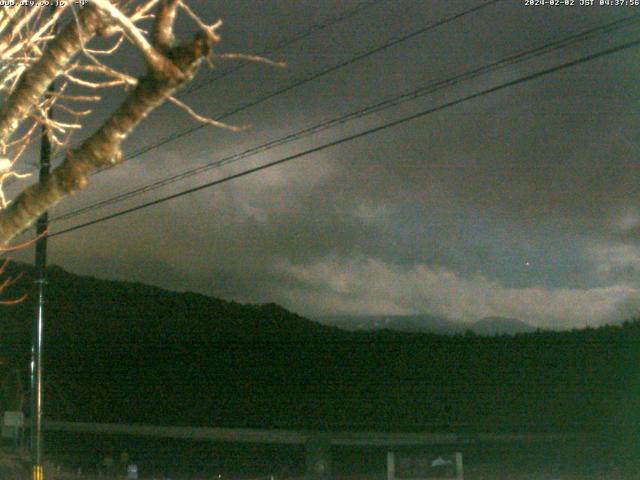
column 126, row 352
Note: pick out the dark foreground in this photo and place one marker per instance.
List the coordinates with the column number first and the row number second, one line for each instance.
column 82, row 457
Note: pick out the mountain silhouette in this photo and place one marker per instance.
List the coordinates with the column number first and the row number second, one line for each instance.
column 399, row 323
column 427, row 324
column 126, row 352
column 501, row 326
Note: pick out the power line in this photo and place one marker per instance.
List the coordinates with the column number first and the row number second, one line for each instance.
column 287, row 42
column 314, row 76
column 292, row 86
column 388, row 103
column 364, row 133
column 330, row 21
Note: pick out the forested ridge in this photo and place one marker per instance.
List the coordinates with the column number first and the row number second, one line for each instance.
column 127, row 352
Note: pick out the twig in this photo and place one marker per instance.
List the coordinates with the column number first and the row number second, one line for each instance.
column 200, row 118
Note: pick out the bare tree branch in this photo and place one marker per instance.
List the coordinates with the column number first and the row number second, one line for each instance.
column 163, row 26
column 209, row 121
column 156, row 60
column 36, row 55
column 169, row 67
column 37, row 78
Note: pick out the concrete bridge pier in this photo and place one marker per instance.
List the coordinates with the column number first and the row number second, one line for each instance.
column 318, row 458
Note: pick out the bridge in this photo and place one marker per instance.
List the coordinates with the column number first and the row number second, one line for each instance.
column 318, row 444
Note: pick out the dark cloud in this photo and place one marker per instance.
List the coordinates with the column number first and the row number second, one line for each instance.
column 523, row 203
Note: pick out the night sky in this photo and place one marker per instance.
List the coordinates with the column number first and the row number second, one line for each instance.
column 521, row 203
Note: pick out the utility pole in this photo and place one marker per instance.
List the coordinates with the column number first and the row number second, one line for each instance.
column 37, row 344
column 38, row 324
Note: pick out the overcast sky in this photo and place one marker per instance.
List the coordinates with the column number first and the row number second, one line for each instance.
column 521, row 203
